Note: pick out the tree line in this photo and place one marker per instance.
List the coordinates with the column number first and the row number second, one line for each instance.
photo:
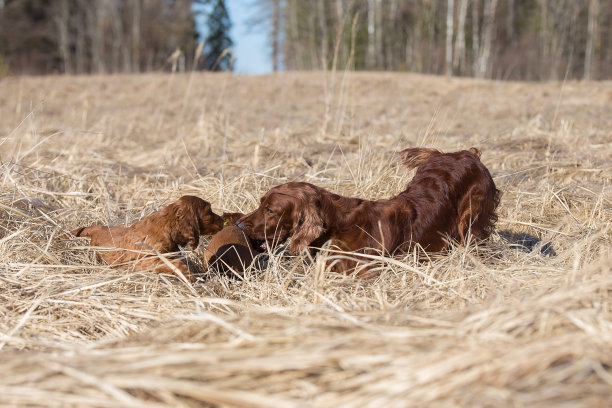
column 111, row 36
column 501, row 39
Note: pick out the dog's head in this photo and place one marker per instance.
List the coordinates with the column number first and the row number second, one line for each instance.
column 289, row 210
column 190, row 217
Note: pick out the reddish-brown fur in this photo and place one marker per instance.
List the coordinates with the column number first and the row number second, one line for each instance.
column 180, row 223
column 229, row 249
column 452, row 195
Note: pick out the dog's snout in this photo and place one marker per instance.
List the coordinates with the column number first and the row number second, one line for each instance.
column 240, row 224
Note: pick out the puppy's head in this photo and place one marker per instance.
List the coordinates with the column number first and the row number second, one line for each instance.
column 192, row 217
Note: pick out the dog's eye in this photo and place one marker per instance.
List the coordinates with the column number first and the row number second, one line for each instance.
column 269, row 211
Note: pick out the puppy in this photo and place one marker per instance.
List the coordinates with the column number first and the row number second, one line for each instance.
column 229, row 249
column 180, row 223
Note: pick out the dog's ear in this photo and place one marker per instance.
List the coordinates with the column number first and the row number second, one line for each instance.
column 308, row 224
column 185, row 229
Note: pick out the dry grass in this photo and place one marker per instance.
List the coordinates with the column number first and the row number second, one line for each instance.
column 523, row 321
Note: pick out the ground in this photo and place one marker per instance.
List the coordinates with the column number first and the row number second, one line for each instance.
column 521, row 320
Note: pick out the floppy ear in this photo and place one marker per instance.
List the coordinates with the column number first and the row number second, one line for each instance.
column 308, row 226
column 185, row 228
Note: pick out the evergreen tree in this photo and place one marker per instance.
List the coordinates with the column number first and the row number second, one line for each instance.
column 218, row 44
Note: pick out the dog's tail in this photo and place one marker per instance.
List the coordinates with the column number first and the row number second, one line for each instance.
column 415, row 156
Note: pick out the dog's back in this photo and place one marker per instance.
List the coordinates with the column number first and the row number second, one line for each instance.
column 101, row 235
column 461, row 187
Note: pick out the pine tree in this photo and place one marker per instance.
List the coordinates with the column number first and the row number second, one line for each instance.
column 218, row 44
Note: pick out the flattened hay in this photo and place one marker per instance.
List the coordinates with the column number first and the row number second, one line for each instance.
column 521, row 320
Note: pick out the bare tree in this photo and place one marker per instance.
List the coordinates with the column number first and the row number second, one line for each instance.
column 94, row 18
column 488, row 27
column 370, row 57
column 321, row 19
column 448, row 62
column 475, row 34
column 61, row 21
column 80, row 35
column 592, row 38
column 459, row 55
column 136, row 12
column 275, row 35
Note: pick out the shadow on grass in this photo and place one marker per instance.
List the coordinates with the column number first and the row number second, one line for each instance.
column 527, row 242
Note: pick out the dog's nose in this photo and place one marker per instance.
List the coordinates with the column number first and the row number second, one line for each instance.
column 240, row 224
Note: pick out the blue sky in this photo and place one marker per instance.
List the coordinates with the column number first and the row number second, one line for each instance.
column 251, row 46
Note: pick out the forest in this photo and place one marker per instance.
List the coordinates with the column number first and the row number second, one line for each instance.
column 498, row 39
column 110, row 36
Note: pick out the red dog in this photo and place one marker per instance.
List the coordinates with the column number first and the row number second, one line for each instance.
column 180, row 223
column 451, row 195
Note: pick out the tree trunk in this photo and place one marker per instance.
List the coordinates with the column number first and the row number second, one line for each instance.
column 323, row 31
column 475, row 35
column 592, row 38
column 61, row 21
column 96, row 36
column 544, row 63
column 136, row 35
column 275, row 34
column 370, row 56
column 313, row 60
column 459, row 56
column 414, row 54
column 117, row 38
column 489, row 32
column 448, row 62
column 339, row 21
column 79, row 57
column 293, row 55
column 510, row 19
column 378, row 31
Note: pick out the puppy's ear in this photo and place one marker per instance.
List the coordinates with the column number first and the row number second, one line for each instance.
column 185, row 228
column 307, row 226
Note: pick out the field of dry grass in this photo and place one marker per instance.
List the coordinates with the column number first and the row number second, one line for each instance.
column 522, row 321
